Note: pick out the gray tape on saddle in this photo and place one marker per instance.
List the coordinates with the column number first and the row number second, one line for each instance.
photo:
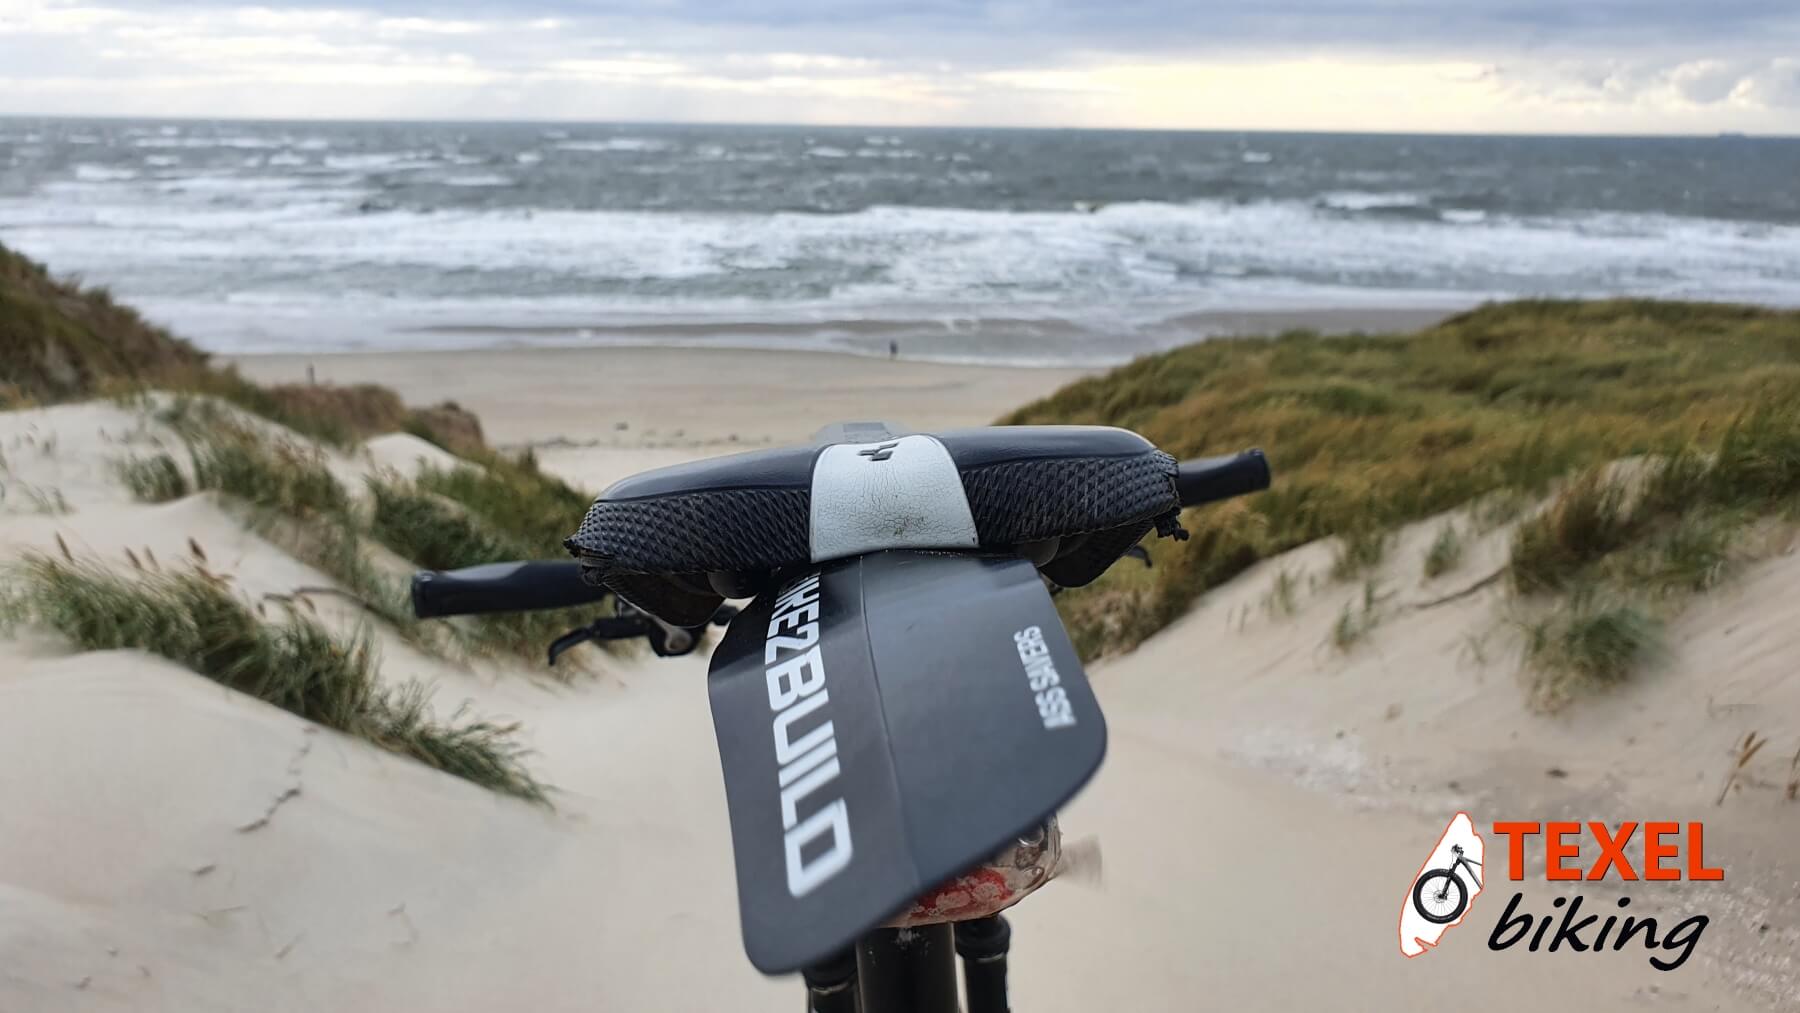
column 903, row 493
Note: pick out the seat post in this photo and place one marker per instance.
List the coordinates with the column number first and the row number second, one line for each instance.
column 907, row 970
column 831, row 984
column 983, row 944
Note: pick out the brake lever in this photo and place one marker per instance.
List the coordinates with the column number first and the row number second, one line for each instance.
column 574, row 638
column 666, row 641
column 617, row 628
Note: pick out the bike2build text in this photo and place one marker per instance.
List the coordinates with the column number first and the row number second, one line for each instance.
column 1669, row 852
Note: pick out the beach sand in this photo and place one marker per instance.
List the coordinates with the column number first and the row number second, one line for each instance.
column 1263, row 808
column 676, row 397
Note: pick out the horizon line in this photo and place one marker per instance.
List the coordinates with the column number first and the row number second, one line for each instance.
column 1268, row 131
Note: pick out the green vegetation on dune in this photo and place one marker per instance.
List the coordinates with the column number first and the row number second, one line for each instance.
column 192, row 617
column 62, row 341
column 153, row 479
column 504, row 510
column 1369, row 432
column 432, row 530
column 1593, row 641
column 274, row 474
column 538, row 509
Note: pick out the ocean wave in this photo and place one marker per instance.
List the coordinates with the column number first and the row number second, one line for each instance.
column 475, row 179
column 251, row 244
column 87, row 172
column 382, row 161
column 614, row 144
column 1364, row 200
column 1118, row 253
column 208, row 142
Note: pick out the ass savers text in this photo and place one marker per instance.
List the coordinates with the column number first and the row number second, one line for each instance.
column 1664, row 848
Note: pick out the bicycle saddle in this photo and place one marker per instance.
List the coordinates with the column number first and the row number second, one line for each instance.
column 677, row 541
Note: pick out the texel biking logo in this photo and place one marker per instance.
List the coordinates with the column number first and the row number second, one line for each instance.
column 1443, row 892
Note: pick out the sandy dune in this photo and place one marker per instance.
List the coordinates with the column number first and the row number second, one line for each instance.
column 1263, row 807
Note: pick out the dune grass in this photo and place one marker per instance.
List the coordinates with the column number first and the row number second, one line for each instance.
column 1360, row 551
column 272, row 473
column 1626, row 545
column 509, row 509
column 441, row 533
column 335, row 546
column 62, row 340
column 504, row 509
column 1592, row 517
column 514, row 495
column 1445, row 553
column 1359, row 617
column 1590, row 642
column 1370, row 432
column 1669, row 523
column 301, row 505
column 1283, row 599
column 192, row 618
column 432, row 531
column 153, row 479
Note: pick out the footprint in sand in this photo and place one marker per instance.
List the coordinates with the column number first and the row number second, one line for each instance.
column 1441, row 893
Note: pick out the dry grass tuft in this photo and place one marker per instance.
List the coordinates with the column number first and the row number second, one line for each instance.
column 1592, row 642
column 153, row 479
column 193, row 618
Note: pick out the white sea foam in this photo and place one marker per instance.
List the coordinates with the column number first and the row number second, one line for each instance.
column 88, row 173
column 174, row 141
column 611, row 144
column 476, row 179
column 380, row 161
column 1364, row 200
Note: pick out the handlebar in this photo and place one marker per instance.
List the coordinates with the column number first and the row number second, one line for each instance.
column 523, row 587
column 1209, row 479
column 501, row 587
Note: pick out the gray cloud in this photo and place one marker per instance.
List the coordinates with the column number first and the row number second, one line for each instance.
column 1618, row 64
column 960, row 28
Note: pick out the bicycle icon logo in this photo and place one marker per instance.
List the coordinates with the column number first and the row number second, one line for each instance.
column 1440, row 895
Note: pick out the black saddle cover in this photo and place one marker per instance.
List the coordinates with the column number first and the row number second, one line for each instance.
column 677, row 541
column 886, row 722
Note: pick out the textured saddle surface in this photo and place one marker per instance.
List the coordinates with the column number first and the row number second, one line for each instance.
column 676, row 541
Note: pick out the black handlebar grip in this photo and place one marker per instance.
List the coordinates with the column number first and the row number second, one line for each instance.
column 1209, row 479
column 501, row 587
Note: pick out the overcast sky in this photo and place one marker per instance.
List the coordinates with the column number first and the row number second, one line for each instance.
column 1610, row 66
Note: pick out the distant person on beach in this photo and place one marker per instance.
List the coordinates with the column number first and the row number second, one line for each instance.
column 893, row 349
